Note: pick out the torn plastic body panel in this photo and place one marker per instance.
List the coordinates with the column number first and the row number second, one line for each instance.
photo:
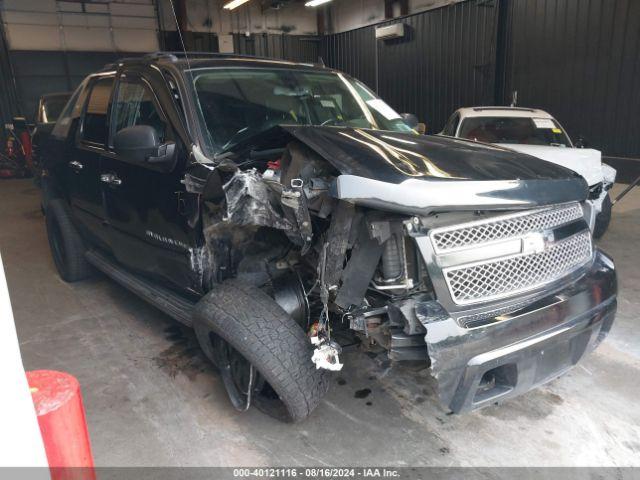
column 249, row 201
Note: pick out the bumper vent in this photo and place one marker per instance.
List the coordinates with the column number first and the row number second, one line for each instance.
column 458, row 237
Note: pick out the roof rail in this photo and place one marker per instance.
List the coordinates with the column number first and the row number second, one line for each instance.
column 520, row 109
column 175, row 56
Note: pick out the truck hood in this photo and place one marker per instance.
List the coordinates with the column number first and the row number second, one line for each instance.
column 394, row 157
column 584, row 161
column 417, row 174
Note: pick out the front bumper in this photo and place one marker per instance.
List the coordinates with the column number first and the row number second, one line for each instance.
column 480, row 366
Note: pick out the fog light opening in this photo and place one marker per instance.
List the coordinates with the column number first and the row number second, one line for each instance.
column 496, row 382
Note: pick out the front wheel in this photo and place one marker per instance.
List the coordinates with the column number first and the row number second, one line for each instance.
column 603, row 218
column 262, row 353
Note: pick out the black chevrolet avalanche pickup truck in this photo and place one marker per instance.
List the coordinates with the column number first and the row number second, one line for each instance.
column 280, row 208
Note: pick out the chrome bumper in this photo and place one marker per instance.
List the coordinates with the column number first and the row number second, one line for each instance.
column 477, row 367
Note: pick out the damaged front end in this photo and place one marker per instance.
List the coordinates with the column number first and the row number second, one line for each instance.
column 484, row 271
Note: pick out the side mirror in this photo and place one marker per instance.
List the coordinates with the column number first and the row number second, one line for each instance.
column 140, row 144
column 581, row 142
column 410, row 119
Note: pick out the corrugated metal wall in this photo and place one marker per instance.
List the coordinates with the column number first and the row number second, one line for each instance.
column 352, row 52
column 580, row 60
column 297, row 48
column 446, row 60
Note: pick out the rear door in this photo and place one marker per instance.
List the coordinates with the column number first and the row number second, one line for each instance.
column 146, row 206
column 83, row 162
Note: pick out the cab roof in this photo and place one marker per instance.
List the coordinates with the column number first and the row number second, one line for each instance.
column 503, row 112
column 193, row 60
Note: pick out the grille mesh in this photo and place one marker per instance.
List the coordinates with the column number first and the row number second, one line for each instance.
column 500, row 278
column 454, row 238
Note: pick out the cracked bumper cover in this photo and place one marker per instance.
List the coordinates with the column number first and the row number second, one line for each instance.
column 527, row 348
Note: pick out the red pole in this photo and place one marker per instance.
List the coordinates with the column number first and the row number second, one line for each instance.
column 58, row 402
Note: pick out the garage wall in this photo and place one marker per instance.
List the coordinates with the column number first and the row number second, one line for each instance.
column 351, row 14
column 38, row 72
column 581, row 61
column 8, row 95
column 209, row 16
column 108, row 26
column 446, row 60
column 53, row 44
column 578, row 59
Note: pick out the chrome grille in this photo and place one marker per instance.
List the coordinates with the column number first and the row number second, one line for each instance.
column 476, row 233
column 495, row 279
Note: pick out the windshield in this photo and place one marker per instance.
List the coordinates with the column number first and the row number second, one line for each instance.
column 520, row 130
column 237, row 103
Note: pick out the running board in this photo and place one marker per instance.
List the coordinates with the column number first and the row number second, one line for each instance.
column 170, row 303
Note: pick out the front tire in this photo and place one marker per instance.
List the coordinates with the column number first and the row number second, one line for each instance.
column 603, row 218
column 67, row 247
column 236, row 322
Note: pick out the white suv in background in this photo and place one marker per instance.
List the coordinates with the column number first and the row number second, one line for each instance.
column 537, row 133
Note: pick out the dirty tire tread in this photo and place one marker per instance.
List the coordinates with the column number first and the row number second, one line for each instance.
column 603, row 219
column 255, row 325
column 75, row 267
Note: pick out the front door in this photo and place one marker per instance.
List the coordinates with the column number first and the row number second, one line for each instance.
column 144, row 205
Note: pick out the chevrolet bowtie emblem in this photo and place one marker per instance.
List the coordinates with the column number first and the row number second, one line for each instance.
column 536, row 242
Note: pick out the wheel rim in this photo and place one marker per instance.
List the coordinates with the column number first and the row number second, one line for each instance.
column 235, row 369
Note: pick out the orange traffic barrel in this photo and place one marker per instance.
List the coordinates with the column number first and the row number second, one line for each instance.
column 58, row 403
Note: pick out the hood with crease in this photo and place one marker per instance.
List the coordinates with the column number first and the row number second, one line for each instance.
column 394, row 157
column 406, row 158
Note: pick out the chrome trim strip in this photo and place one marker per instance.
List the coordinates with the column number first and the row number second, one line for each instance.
column 424, row 195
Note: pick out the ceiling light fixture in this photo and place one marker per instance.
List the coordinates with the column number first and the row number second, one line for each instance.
column 234, row 4
column 315, row 3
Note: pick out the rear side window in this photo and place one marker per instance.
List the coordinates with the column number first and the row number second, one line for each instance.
column 134, row 105
column 61, row 129
column 94, row 125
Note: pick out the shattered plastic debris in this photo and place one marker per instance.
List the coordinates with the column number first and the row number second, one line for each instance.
column 326, row 354
column 249, row 202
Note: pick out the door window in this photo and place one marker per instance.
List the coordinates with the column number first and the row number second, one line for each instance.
column 134, row 105
column 94, row 126
column 61, row 128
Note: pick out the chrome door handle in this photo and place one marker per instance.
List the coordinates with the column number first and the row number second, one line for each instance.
column 75, row 165
column 110, row 178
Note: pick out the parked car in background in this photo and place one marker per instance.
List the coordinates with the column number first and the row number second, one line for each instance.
column 49, row 108
column 279, row 207
column 537, row 133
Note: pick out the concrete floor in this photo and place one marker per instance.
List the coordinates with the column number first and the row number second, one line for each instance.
column 152, row 399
